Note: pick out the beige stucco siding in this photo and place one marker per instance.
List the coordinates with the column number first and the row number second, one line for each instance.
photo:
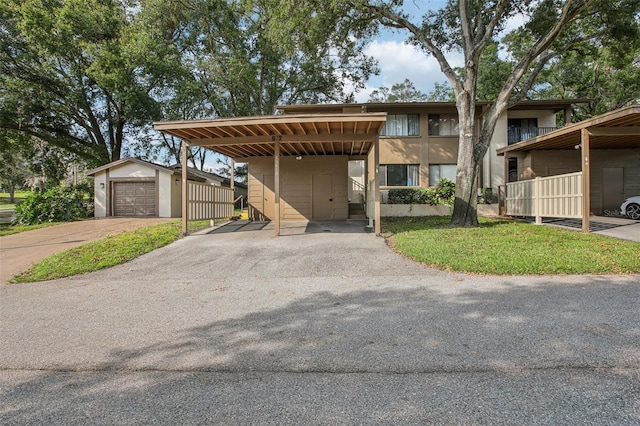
column 493, row 173
column 132, row 170
column 296, row 185
column 165, row 187
column 100, row 189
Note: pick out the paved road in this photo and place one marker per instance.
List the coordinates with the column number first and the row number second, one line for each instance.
column 19, row 251
column 325, row 326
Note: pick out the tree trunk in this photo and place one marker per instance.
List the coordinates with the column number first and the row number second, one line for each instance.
column 465, row 205
column 12, row 193
column 472, row 149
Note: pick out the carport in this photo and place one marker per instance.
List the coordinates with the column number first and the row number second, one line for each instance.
column 611, row 140
column 289, row 135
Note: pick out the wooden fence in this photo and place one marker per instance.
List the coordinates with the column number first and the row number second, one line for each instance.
column 209, row 201
column 553, row 196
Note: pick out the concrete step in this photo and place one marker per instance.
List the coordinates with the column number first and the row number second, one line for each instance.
column 356, row 208
column 357, row 217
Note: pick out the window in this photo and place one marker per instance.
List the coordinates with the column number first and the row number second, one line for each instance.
column 401, row 125
column 441, row 171
column 443, row 124
column 399, row 175
column 513, row 169
column 521, row 129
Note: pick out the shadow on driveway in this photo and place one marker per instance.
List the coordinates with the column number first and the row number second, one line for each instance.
column 503, row 353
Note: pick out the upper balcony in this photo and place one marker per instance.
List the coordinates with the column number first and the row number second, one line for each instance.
column 519, row 134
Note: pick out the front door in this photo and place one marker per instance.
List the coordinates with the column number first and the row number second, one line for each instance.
column 322, row 197
column 268, row 196
column 612, row 189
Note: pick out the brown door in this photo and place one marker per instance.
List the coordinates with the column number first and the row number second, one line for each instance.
column 134, row 198
column 612, row 189
column 322, row 197
column 268, row 196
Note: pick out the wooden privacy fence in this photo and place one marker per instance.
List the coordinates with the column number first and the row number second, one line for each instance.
column 209, row 201
column 553, row 196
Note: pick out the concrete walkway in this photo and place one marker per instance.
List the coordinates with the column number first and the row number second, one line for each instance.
column 323, row 325
column 19, row 251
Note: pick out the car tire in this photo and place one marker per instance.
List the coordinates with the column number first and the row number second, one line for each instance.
column 633, row 211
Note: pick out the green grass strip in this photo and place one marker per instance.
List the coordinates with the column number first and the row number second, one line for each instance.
column 504, row 247
column 8, row 229
column 106, row 252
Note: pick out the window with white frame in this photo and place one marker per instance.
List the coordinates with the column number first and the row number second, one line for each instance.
column 441, row 171
column 399, row 175
column 443, row 124
column 401, row 125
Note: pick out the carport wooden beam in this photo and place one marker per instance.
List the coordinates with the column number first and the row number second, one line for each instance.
column 586, row 179
column 376, row 184
column 276, row 178
column 185, row 210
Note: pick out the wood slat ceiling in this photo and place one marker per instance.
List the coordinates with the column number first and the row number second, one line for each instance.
column 618, row 129
column 297, row 134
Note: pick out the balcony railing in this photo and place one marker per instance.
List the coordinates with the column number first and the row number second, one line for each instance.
column 519, row 134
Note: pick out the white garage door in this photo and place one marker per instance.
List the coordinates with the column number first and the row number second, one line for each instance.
column 134, row 198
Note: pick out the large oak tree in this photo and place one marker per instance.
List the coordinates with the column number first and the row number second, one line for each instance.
column 549, row 27
column 80, row 74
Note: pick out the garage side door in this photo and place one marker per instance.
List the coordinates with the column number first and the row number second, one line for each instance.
column 134, row 198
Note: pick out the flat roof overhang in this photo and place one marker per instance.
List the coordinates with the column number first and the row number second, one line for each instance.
column 618, row 129
column 297, row 134
column 547, row 104
column 275, row 136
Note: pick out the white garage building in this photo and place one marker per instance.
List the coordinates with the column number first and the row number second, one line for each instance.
column 132, row 187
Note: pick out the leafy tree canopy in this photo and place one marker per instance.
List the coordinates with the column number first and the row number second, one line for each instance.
column 80, row 74
column 399, row 92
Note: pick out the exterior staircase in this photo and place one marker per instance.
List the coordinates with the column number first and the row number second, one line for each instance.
column 356, row 211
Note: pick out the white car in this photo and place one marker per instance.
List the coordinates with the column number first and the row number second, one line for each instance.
column 631, row 207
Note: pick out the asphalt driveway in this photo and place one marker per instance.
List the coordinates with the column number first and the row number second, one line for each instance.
column 324, row 325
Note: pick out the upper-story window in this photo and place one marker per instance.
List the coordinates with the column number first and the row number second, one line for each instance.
column 443, row 124
column 401, row 125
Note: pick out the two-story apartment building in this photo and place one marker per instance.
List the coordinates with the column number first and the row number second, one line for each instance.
column 320, row 161
column 419, row 143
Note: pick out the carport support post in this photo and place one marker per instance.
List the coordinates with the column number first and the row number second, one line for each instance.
column 506, row 187
column 276, row 178
column 586, row 180
column 185, row 147
column 232, row 174
column 376, row 183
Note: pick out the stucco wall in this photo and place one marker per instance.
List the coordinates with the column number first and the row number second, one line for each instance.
column 133, row 170
column 100, row 189
column 165, row 189
column 493, row 165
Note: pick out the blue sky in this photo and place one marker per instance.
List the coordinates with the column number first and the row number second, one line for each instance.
column 398, row 60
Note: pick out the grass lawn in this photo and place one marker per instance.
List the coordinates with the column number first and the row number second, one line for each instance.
column 8, row 229
column 505, row 247
column 106, row 252
column 5, row 203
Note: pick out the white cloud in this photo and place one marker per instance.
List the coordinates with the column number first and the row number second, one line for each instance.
column 398, row 61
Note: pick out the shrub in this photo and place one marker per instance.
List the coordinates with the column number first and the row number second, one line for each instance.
column 59, row 204
column 441, row 194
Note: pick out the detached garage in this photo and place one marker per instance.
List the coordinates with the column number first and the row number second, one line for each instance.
column 132, row 187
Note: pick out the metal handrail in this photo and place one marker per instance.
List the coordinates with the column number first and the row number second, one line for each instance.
column 519, row 134
column 241, row 198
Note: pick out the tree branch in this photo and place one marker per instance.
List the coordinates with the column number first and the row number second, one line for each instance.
column 403, row 23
